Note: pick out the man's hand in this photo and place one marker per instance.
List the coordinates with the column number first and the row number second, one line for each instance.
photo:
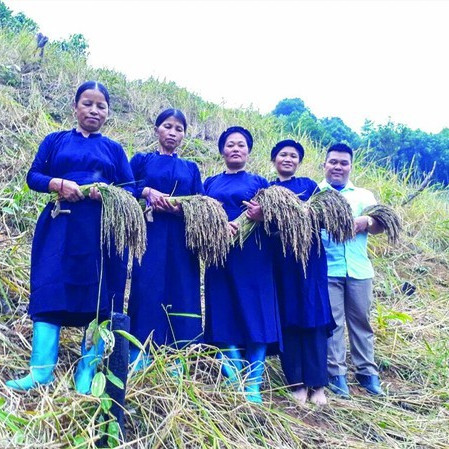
column 361, row 224
column 365, row 223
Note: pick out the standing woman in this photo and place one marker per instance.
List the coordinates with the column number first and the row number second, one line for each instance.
column 306, row 316
column 165, row 289
column 241, row 307
column 69, row 272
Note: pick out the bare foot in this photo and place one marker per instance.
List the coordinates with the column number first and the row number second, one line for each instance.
column 318, row 397
column 300, row 395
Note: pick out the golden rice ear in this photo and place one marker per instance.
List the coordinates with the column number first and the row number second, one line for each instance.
column 330, row 211
column 206, row 224
column 122, row 220
column 285, row 212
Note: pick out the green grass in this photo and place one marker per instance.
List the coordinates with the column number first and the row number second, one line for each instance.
column 198, row 410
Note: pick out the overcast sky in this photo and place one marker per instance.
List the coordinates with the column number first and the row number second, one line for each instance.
column 352, row 59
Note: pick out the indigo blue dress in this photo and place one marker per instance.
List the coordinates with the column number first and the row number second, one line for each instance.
column 240, row 297
column 67, row 268
column 165, row 288
column 305, row 309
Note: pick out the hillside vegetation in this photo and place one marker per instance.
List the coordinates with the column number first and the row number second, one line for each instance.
column 198, row 410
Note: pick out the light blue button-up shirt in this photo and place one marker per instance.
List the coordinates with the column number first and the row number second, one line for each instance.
column 350, row 258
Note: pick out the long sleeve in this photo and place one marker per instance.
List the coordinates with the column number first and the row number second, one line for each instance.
column 137, row 164
column 125, row 173
column 39, row 175
column 197, row 185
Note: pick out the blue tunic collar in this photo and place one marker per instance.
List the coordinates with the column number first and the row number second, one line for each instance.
column 175, row 155
column 287, row 180
column 233, row 174
column 90, row 136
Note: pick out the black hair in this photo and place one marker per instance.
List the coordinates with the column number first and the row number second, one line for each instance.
column 235, row 129
column 94, row 85
column 287, row 143
column 341, row 148
column 176, row 113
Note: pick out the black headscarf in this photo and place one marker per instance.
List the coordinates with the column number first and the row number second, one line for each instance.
column 235, row 129
column 287, row 143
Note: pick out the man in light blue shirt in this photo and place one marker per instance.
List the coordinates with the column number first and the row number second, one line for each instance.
column 350, row 284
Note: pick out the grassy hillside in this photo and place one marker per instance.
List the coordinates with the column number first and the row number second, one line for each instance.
column 199, row 410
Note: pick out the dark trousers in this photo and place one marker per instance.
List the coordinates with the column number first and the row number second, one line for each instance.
column 304, row 359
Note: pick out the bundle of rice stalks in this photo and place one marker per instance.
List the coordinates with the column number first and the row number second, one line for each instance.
column 206, row 225
column 387, row 218
column 245, row 228
column 284, row 211
column 329, row 210
column 121, row 219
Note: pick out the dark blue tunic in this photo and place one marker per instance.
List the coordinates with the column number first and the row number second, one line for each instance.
column 167, row 284
column 241, row 305
column 66, row 262
column 303, row 301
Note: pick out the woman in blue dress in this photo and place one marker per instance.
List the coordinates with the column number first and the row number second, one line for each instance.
column 69, row 270
column 242, row 316
column 165, row 288
column 306, row 315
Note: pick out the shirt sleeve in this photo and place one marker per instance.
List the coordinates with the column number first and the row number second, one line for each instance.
column 370, row 199
column 206, row 185
column 263, row 183
column 39, row 175
column 197, row 185
column 313, row 187
column 124, row 172
column 136, row 163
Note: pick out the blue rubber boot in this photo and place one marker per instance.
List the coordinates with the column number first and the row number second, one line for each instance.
column 339, row 386
column 87, row 366
column 144, row 361
column 231, row 366
column 255, row 354
column 370, row 383
column 44, row 355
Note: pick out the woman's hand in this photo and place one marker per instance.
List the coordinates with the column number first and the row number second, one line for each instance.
column 159, row 201
column 95, row 194
column 152, row 195
column 254, row 211
column 68, row 190
column 233, row 228
column 162, row 204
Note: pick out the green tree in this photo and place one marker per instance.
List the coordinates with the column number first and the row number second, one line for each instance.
column 15, row 23
column 289, row 106
column 76, row 44
column 337, row 131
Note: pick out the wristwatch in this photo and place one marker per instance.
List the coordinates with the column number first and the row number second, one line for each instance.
column 370, row 221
